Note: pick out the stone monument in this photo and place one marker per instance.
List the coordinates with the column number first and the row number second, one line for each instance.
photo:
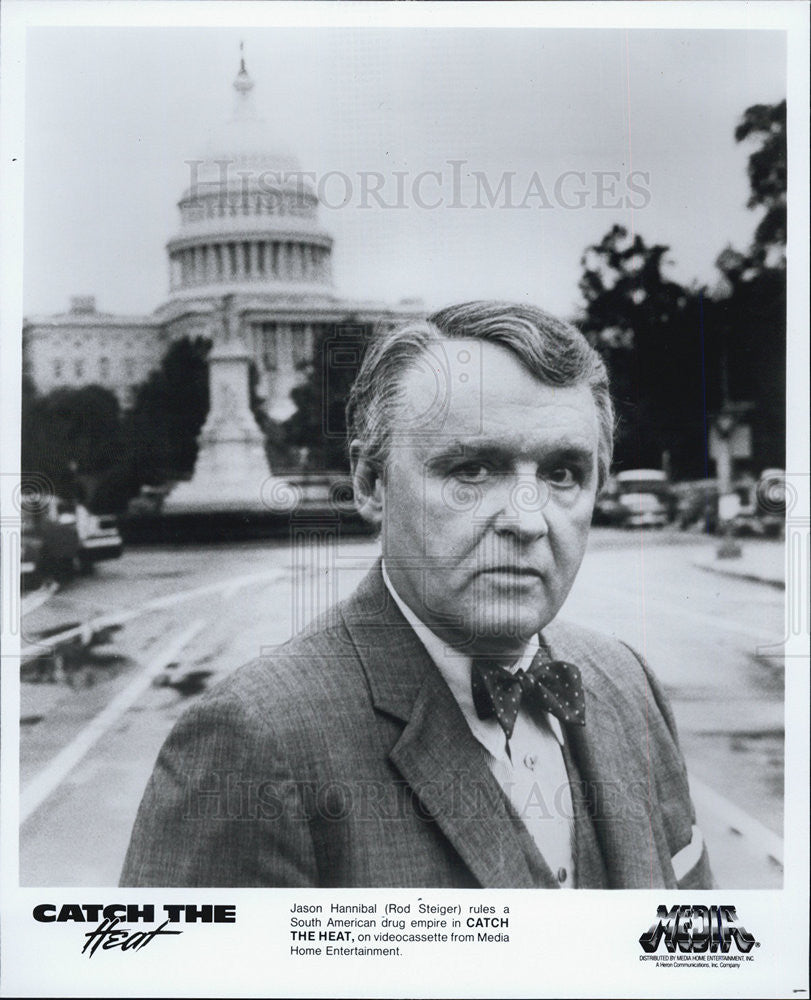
column 232, row 473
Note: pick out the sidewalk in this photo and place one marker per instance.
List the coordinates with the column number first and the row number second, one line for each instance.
column 761, row 560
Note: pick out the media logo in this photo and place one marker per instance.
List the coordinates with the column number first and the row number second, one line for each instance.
column 696, row 929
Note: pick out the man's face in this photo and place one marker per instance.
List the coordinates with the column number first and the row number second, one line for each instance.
column 487, row 496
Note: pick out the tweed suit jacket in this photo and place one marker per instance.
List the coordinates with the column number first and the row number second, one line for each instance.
column 342, row 759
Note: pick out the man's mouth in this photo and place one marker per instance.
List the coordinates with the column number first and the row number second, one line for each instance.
column 516, row 571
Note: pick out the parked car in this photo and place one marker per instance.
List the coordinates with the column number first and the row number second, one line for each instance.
column 149, row 501
column 50, row 540
column 647, row 496
column 644, row 510
column 762, row 505
column 608, row 510
column 31, row 554
column 697, row 504
column 99, row 538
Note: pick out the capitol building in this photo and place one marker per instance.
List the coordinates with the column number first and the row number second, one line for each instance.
column 250, row 263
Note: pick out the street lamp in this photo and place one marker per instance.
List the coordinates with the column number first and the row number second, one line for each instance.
column 728, row 502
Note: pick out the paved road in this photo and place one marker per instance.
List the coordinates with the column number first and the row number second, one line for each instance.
column 194, row 614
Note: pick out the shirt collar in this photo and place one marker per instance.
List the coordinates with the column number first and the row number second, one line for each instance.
column 454, row 665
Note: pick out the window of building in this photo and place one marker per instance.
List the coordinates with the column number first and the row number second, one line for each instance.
column 78, row 368
column 129, row 367
column 104, row 368
column 57, row 367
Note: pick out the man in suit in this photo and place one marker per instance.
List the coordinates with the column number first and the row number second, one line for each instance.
column 441, row 727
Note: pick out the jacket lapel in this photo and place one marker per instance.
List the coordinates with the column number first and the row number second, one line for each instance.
column 446, row 766
column 436, row 754
column 611, row 762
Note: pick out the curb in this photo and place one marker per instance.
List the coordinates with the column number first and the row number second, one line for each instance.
column 742, row 575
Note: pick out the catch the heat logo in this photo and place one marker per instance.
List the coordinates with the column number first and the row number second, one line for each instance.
column 697, row 929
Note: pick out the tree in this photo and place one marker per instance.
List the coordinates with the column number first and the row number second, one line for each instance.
column 170, row 409
column 647, row 328
column 69, row 434
column 748, row 309
column 767, row 169
column 319, row 423
column 676, row 354
column 159, row 435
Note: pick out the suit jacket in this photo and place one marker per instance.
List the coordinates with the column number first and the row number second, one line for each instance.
column 342, row 759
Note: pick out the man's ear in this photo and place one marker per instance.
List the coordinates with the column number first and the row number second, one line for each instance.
column 367, row 485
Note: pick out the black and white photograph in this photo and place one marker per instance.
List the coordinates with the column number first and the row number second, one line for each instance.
column 403, row 485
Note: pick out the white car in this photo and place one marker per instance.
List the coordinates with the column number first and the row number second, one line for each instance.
column 645, row 510
column 99, row 537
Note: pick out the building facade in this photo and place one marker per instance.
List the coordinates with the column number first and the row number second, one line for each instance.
column 86, row 347
column 250, row 244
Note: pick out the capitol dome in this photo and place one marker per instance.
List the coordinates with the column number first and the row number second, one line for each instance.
column 248, row 219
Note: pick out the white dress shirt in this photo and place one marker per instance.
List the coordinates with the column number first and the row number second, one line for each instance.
column 533, row 775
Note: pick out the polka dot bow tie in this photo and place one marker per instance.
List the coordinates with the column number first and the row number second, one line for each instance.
column 554, row 687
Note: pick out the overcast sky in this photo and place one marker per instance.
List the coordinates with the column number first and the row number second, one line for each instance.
column 112, row 114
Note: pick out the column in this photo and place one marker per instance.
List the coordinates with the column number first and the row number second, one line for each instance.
column 254, row 269
column 271, row 345
column 285, row 349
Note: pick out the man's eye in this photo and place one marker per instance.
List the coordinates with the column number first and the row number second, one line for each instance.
column 563, row 476
column 472, row 472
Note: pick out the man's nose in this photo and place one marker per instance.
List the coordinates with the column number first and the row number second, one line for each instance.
column 523, row 510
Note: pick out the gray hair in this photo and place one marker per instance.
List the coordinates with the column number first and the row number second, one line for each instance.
column 554, row 352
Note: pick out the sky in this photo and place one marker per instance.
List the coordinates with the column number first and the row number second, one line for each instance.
column 567, row 118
